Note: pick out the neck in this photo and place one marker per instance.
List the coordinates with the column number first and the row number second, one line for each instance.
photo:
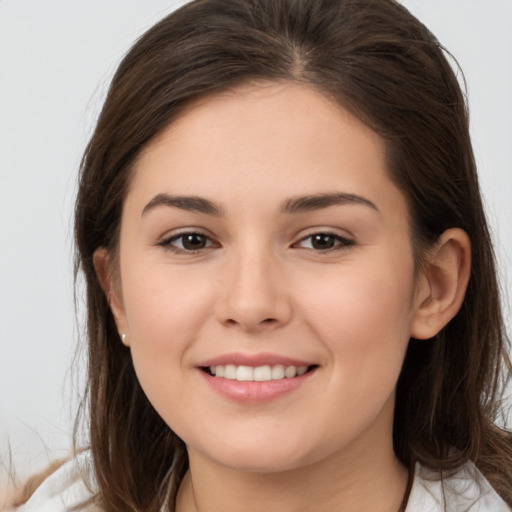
column 373, row 480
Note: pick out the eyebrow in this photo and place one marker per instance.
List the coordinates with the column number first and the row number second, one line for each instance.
column 320, row 201
column 188, row 203
column 294, row 205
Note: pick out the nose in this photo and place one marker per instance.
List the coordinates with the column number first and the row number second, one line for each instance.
column 254, row 295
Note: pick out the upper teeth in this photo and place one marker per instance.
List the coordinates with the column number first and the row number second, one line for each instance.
column 259, row 373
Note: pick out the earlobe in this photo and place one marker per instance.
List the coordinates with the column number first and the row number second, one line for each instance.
column 103, row 267
column 443, row 283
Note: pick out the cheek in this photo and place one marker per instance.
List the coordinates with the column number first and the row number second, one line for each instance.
column 364, row 318
column 165, row 315
column 165, row 311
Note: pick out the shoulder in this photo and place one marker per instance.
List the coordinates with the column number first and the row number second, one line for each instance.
column 465, row 491
column 64, row 489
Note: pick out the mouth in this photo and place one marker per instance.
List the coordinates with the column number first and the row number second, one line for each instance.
column 264, row 373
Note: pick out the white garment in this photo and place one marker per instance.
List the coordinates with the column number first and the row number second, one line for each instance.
column 63, row 489
column 466, row 491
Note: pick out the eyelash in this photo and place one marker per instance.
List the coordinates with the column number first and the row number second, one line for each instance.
column 168, row 243
column 339, row 241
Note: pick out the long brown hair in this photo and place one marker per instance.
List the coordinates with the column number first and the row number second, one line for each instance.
column 383, row 65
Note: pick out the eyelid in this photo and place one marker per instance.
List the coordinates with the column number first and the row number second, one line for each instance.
column 166, row 241
column 343, row 241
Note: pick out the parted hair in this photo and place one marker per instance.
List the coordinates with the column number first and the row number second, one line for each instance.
column 385, row 67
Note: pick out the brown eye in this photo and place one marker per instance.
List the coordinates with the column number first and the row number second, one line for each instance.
column 187, row 242
column 194, row 241
column 324, row 242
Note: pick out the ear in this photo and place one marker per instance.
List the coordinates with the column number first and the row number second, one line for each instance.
column 442, row 283
column 112, row 290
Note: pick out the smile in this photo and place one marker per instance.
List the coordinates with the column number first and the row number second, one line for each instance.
column 263, row 373
column 256, row 384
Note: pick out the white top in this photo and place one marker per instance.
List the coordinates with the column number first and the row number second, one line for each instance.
column 466, row 491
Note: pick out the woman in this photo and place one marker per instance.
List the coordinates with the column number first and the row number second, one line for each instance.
column 292, row 299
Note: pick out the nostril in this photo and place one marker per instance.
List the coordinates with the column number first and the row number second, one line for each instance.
column 266, row 321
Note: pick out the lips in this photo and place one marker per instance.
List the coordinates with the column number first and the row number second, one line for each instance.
column 256, row 378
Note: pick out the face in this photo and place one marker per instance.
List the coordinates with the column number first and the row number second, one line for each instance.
column 266, row 279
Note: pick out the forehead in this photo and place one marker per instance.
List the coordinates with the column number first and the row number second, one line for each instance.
column 263, row 140
column 266, row 108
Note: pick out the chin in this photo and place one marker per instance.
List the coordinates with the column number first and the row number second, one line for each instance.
column 257, row 462
column 257, row 455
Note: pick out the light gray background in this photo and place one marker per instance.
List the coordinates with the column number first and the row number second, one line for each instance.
column 56, row 58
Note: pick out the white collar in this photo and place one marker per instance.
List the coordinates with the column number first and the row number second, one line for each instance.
column 465, row 491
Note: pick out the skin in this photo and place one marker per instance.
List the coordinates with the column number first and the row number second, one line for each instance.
column 259, row 285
